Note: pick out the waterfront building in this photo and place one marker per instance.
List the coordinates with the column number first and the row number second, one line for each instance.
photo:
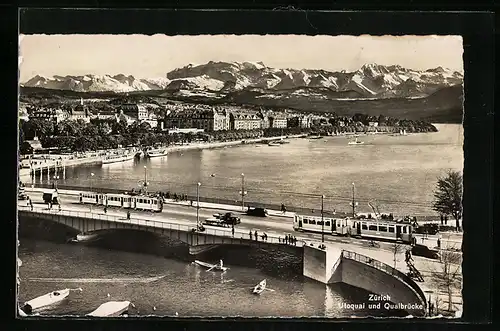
column 50, row 114
column 23, row 113
column 299, row 122
column 137, row 111
column 244, row 121
column 278, row 121
column 80, row 112
column 206, row 118
column 31, row 146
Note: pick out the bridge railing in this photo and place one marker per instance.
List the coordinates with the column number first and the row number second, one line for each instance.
column 160, row 224
column 387, row 269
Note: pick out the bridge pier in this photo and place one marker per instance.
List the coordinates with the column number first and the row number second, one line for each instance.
column 323, row 265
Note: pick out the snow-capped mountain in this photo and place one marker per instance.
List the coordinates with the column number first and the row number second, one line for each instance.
column 222, row 78
column 97, row 83
column 371, row 80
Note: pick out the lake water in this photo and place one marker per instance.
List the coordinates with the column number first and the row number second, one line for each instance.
column 397, row 173
column 161, row 286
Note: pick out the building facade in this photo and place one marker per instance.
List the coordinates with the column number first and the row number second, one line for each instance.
column 56, row 115
column 278, row 121
column 207, row 119
column 136, row 111
column 245, row 121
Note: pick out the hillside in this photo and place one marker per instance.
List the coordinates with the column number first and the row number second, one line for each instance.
column 443, row 106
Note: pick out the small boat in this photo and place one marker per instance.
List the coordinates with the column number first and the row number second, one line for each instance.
column 272, row 143
column 117, row 158
column 316, row 137
column 86, row 237
column 156, row 152
column 215, row 267
column 46, row 300
column 259, row 288
column 283, row 141
column 355, row 142
column 111, row 309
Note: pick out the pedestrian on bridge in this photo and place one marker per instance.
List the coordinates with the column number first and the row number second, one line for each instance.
column 286, row 239
column 250, row 234
column 256, row 235
column 128, row 215
column 232, row 230
column 59, row 206
column 105, row 209
column 31, row 204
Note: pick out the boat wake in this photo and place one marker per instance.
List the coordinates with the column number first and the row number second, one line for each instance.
column 96, row 280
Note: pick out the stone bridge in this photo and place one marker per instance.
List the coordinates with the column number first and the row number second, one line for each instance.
column 87, row 222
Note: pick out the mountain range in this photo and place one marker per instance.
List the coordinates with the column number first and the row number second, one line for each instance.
column 223, row 79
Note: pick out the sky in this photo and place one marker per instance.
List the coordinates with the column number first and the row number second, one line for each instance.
column 153, row 56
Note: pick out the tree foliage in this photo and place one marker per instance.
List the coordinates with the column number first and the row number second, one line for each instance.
column 448, row 196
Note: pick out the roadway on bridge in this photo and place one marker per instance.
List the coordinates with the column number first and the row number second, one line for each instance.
column 185, row 215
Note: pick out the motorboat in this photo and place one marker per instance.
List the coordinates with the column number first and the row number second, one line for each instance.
column 215, row 267
column 46, row 300
column 117, row 158
column 111, row 309
column 259, row 288
column 355, row 142
column 156, row 152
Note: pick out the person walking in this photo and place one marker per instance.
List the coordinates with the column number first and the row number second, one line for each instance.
column 256, row 235
column 128, row 215
column 105, row 209
column 31, row 205
column 232, row 230
column 59, row 206
column 250, row 234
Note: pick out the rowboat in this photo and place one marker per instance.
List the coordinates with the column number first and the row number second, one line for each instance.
column 355, row 142
column 215, row 267
column 259, row 288
column 111, row 309
column 46, row 300
column 86, row 237
column 274, row 144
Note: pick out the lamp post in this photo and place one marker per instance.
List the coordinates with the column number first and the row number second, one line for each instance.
column 56, row 178
column 242, row 192
column 322, row 220
column 353, row 202
column 145, row 180
column 198, row 205
column 213, row 186
column 91, row 176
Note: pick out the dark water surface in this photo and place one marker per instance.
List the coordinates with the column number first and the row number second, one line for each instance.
column 158, row 276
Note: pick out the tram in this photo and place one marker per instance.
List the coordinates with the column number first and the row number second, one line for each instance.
column 355, row 227
column 140, row 202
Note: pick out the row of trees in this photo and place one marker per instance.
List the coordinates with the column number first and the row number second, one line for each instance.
column 79, row 136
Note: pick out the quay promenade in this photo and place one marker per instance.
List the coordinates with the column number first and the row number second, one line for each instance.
column 53, row 163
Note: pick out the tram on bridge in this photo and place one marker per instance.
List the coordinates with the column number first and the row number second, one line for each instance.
column 127, row 201
column 369, row 228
